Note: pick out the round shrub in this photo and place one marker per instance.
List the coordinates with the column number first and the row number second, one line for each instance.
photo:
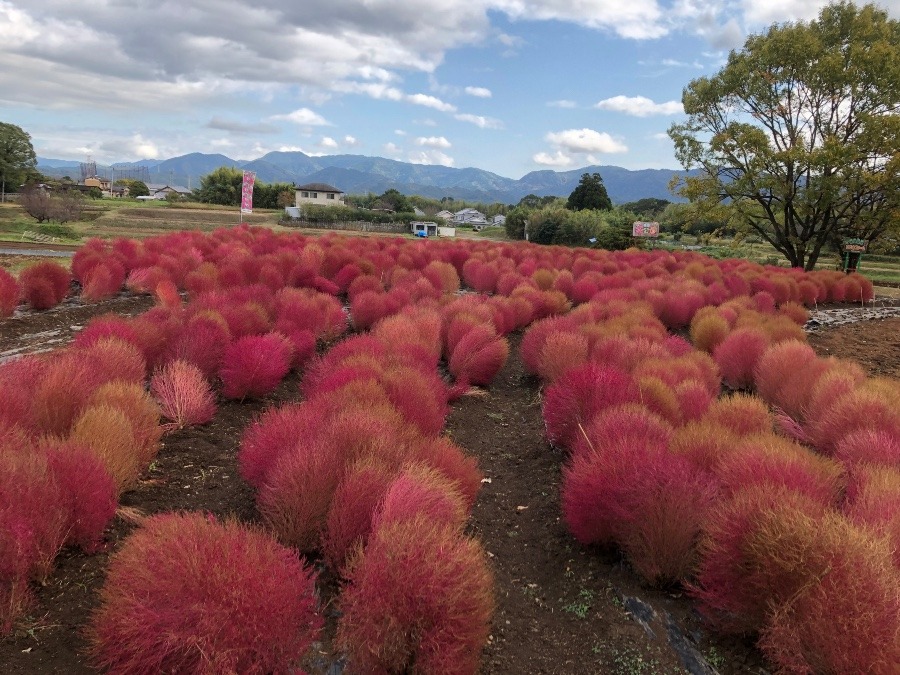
column 187, row 593
column 419, row 599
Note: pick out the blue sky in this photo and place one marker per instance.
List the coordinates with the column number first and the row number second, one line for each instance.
column 509, row 86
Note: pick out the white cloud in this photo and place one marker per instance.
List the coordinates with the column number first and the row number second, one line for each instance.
column 399, row 132
column 585, row 141
column 238, row 127
column 661, row 136
column 351, row 141
column 393, row 149
column 640, row 106
column 479, row 121
column 430, row 157
column 430, row 102
column 479, row 92
column 303, row 116
column 328, row 142
column 763, row 12
column 433, row 142
column 559, row 159
column 636, row 19
column 562, row 103
column 134, row 146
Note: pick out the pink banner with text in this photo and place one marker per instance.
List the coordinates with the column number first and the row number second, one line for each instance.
column 247, row 192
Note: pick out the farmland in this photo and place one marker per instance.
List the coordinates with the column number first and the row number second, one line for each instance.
column 553, row 368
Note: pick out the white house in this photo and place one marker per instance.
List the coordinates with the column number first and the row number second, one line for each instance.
column 445, row 214
column 318, row 193
column 499, row 220
column 469, row 217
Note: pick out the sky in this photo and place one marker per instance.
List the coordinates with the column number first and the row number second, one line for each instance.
column 508, row 86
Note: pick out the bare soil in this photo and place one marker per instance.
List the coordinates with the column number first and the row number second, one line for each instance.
column 561, row 608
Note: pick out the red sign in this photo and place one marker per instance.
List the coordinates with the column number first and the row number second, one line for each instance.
column 247, row 192
column 644, row 229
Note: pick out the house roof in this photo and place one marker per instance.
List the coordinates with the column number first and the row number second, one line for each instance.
column 319, row 187
column 158, row 187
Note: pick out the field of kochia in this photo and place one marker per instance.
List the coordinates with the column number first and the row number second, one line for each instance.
column 703, row 438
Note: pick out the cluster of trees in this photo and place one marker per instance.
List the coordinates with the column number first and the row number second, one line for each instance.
column 586, row 218
column 223, row 186
column 45, row 205
column 136, row 188
column 341, row 214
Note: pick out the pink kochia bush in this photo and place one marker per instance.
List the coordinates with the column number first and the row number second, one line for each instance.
column 33, row 521
column 183, row 394
column 10, row 292
column 187, row 593
column 630, row 491
column 418, row 599
column 254, row 365
column 44, row 284
column 87, row 491
column 573, row 400
column 478, row 356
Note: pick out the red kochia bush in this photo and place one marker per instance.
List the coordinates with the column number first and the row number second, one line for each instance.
column 183, row 394
column 274, row 432
column 33, row 521
column 580, row 394
column 419, row 599
column 422, row 491
column 44, row 284
column 10, row 292
column 741, row 574
column 201, row 341
column 478, row 356
column 355, row 502
column 254, row 365
column 87, row 489
column 869, row 446
column 187, row 593
column 737, row 356
column 846, row 617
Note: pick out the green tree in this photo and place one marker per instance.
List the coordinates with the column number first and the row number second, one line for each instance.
column 545, row 223
column 221, row 186
column 579, row 228
column 516, row 221
column 647, row 208
column 17, row 158
column 590, row 194
column 136, row 188
column 396, row 201
column 798, row 134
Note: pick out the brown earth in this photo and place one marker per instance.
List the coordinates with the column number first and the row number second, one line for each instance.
column 561, row 608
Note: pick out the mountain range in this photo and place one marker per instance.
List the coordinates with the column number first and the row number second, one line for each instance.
column 359, row 174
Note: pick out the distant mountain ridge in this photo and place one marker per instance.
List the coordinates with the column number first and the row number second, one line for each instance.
column 359, row 174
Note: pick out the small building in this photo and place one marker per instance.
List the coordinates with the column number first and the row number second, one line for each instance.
column 97, row 182
column 499, row 220
column 424, row 229
column 445, row 214
column 321, row 194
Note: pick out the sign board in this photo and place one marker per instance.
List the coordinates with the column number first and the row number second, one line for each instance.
column 855, row 245
column 644, row 229
column 247, row 192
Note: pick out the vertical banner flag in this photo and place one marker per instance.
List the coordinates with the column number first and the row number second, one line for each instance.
column 247, row 192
